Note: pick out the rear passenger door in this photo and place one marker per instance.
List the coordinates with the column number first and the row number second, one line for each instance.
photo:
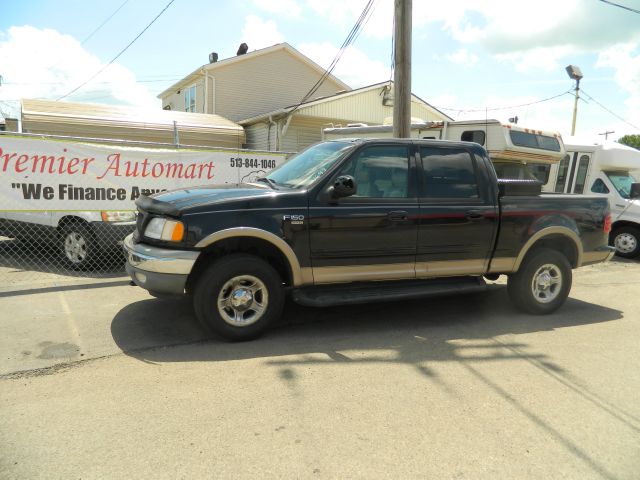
column 458, row 213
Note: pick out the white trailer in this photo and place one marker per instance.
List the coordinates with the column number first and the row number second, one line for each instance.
column 604, row 168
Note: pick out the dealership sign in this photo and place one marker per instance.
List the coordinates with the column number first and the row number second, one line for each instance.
column 40, row 174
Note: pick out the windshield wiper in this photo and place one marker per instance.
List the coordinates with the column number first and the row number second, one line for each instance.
column 271, row 183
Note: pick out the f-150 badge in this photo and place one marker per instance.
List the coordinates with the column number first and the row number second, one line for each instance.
column 294, row 219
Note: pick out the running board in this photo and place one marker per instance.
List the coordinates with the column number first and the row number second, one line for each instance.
column 356, row 293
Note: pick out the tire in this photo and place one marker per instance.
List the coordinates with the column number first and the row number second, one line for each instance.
column 79, row 249
column 627, row 241
column 543, row 282
column 258, row 301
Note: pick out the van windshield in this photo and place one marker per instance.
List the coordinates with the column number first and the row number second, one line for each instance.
column 307, row 166
column 622, row 182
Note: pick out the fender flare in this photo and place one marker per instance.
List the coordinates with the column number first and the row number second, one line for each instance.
column 545, row 232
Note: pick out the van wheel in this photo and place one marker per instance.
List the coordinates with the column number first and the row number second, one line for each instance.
column 542, row 283
column 78, row 246
column 627, row 241
column 238, row 297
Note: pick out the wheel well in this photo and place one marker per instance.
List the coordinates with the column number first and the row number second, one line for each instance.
column 253, row 246
column 560, row 243
column 623, row 223
column 70, row 219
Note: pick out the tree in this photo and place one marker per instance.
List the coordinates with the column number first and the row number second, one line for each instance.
column 631, row 140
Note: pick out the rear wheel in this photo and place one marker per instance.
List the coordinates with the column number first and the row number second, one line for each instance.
column 627, row 241
column 543, row 282
column 238, row 297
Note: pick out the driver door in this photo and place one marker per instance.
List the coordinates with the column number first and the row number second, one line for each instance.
column 371, row 235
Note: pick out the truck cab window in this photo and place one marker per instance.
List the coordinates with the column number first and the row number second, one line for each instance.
column 599, row 186
column 380, row 172
column 448, row 173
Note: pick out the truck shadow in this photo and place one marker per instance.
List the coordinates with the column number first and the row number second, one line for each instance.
column 141, row 327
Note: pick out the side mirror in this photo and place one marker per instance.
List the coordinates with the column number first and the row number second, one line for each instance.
column 635, row 191
column 344, row 186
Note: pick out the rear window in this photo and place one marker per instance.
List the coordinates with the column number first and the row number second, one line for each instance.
column 448, row 173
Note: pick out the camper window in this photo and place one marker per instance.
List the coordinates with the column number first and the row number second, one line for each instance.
column 561, row 179
column 532, row 140
column 581, row 175
column 475, row 136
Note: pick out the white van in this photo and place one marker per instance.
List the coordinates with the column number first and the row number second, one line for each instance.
column 597, row 167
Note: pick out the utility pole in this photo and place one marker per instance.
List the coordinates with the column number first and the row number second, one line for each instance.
column 607, row 133
column 402, row 72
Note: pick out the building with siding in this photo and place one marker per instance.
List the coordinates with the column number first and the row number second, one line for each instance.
column 127, row 124
column 295, row 127
column 250, row 84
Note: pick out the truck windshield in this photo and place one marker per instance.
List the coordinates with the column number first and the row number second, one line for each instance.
column 309, row 165
column 622, row 182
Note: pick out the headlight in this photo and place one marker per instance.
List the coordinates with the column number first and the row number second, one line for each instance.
column 126, row 216
column 164, row 229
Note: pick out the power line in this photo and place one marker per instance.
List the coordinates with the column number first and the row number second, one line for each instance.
column 610, row 111
column 103, row 23
column 118, row 55
column 351, row 37
column 620, row 6
column 504, row 108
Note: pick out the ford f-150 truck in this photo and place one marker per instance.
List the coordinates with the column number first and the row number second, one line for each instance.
column 358, row 221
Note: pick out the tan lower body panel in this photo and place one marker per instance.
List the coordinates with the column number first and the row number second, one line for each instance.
column 502, row 265
column 450, row 268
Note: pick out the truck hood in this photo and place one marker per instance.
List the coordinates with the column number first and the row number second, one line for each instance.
column 177, row 202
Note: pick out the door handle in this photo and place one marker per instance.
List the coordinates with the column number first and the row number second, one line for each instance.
column 474, row 215
column 398, row 216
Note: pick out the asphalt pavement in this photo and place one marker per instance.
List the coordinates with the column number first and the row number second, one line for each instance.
column 100, row 380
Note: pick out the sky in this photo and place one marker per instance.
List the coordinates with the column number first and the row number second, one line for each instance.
column 472, row 59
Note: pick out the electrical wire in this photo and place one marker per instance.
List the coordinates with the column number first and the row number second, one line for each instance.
column 608, row 110
column 353, row 34
column 504, row 108
column 620, row 6
column 103, row 23
column 118, row 55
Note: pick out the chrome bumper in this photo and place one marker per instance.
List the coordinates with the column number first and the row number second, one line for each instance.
column 158, row 260
column 158, row 270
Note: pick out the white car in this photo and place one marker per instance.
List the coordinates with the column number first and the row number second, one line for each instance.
column 82, row 236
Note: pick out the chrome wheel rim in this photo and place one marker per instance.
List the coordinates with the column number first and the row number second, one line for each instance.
column 546, row 283
column 243, row 300
column 75, row 247
column 626, row 243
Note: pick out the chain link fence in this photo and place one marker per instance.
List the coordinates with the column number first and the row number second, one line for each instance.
column 51, row 247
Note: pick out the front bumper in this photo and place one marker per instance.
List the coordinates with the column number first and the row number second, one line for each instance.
column 601, row 254
column 159, row 270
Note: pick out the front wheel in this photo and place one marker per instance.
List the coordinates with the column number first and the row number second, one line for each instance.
column 238, row 297
column 542, row 283
column 627, row 241
column 78, row 246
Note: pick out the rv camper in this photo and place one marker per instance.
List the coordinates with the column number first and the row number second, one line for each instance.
column 516, row 152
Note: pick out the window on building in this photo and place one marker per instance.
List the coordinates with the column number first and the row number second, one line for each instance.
column 190, row 99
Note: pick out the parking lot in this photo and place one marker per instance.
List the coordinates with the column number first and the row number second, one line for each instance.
column 100, row 380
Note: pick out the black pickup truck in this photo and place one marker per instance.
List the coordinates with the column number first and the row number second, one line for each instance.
column 359, row 221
